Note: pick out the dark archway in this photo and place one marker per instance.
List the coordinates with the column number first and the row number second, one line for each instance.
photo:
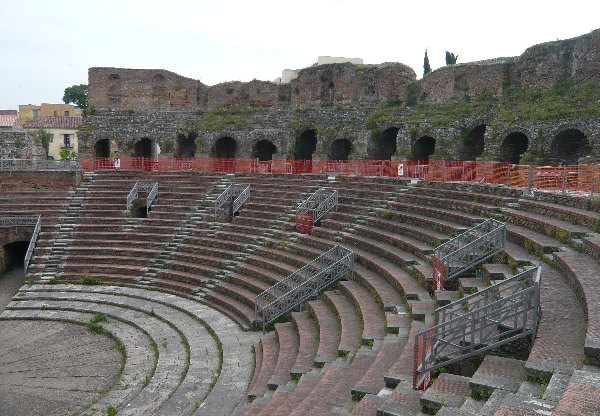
column 340, row 149
column 14, row 255
column 186, row 146
column 225, row 147
column 423, row 148
column 384, row 144
column 513, row 147
column 305, row 145
column 102, row 148
column 263, row 150
column 473, row 143
column 568, row 146
column 143, row 148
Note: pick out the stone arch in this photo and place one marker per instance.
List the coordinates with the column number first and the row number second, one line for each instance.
column 158, row 86
column 186, row 145
column 384, row 144
column 473, row 142
column 340, row 149
column 305, row 145
column 263, row 150
column 114, row 88
column 13, row 254
column 102, row 148
column 143, row 148
column 423, row 148
column 513, row 146
column 568, row 146
column 225, row 147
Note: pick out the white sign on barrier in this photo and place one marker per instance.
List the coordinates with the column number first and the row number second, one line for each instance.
column 401, row 169
column 117, row 163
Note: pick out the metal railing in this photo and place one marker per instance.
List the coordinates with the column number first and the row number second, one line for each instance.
column 31, row 246
column 24, row 221
column 303, row 284
column 150, row 187
column 467, row 250
column 19, row 165
column 237, row 193
column 492, row 317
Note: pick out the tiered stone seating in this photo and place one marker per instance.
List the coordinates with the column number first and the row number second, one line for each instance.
column 174, row 363
column 48, row 204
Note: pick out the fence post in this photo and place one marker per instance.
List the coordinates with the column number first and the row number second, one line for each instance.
column 508, row 179
column 530, row 180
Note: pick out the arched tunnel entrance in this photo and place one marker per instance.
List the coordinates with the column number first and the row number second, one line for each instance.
column 11, row 270
column 305, row 145
column 340, row 149
column 423, row 148
column 568, row 146
column 143, row 148
column 513, row 146
column 263, row 150
column 102, row 148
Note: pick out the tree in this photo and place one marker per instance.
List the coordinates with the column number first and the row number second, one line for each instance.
column 77, row 94
column 451, row 58
column 426, row 67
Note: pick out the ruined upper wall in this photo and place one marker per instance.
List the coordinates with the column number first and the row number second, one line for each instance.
column 348, row 84
column 141, row 88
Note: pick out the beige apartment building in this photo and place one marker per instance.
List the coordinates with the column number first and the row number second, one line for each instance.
column 63, row 131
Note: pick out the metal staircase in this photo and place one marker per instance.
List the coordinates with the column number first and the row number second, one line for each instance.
column 236, row 194
column 303, row 284
column 314, row 208
column 149, row 187
column 497, row 315
column 467, row 250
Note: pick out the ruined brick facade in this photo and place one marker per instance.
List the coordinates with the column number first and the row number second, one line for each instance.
column 343, row 101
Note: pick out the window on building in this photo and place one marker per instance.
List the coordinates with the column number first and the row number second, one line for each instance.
column 55, row 113
column 68, row 141
column 52, row 138
column 66, row 114
column 36, row 113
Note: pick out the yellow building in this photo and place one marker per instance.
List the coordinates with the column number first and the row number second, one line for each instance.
column 63, row 131
column 29, row 112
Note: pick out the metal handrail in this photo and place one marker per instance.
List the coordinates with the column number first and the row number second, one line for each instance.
column 31, row 247
column 303, row 284
column 239, row 201
column 235, row 190
column 150, row 187
column 490, row 234
column 16, row 165
column 475, row 331
column 132, row 196
column 324, row 207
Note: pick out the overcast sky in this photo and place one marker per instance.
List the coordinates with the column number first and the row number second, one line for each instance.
column 46, row 46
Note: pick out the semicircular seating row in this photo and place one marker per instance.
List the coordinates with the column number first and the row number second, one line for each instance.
column 351, row 350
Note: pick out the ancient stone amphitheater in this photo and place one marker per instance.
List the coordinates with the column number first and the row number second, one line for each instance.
column 160, row 321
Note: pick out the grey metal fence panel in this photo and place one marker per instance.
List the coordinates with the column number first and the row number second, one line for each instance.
column 150, row 187
column 495, row 316
column 303, row 284
column 31, row 247
column 240, row 194
column 472, row 247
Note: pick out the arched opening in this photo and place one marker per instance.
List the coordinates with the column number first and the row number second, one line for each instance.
column 340, row 149
column 263, row 150
column 568, row 146
column 473, row 143
column 305, row 145
column 14, row 255
column 384, row 144
column 225, row 147
column 513, row 147
column 423, row 148
column 102, row 148
column 143, row 148
column 186, row 145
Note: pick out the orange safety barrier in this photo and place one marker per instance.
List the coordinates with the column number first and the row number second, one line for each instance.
column 564, row 178
column 304, row 222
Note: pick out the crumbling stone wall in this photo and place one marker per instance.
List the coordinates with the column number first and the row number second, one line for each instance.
column 20, row 145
